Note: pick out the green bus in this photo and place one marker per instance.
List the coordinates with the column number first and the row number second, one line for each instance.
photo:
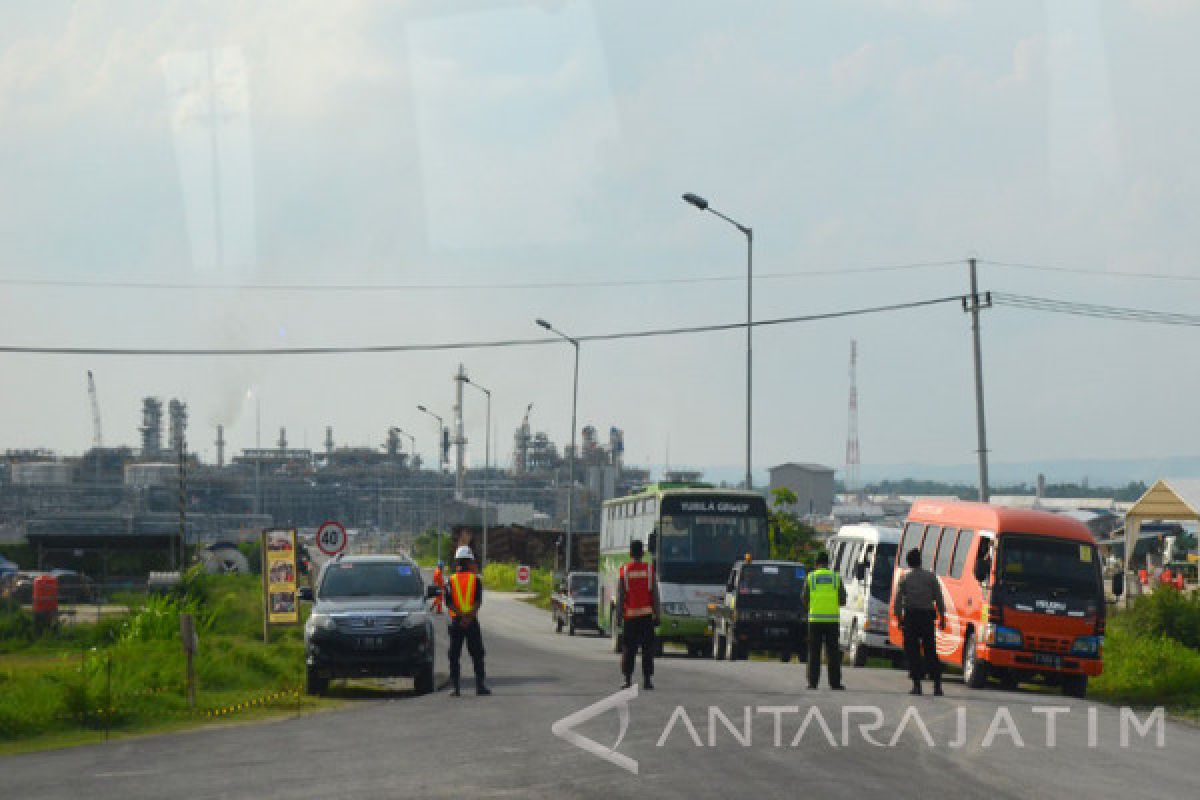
column 693, row 533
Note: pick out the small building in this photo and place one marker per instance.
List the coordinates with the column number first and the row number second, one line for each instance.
column 811, row 483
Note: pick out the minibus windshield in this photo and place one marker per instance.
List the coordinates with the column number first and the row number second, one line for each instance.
column 1044, row 564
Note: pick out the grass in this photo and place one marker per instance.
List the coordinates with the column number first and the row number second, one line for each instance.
column 127, row 674
column 1148, row 659
column 503, row 578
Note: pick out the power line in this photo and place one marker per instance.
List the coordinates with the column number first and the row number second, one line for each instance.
column 442, row 287
column 1161, row 276
column 1119, row 313
column 472, row 345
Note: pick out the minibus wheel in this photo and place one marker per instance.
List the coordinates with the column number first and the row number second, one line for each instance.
column 974, row 669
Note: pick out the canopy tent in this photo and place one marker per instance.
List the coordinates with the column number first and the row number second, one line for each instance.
column 1173, row 499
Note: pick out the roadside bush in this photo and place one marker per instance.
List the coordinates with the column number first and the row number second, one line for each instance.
column 1147, row 669
column 1166, row 612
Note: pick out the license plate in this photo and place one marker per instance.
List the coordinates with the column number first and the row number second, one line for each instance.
column 775, row 631
column 1045, row 660
column 368, row 643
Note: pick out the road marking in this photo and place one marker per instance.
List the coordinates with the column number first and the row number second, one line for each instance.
column 137, row 773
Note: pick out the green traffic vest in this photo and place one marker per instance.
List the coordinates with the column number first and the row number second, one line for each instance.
column 823, row 596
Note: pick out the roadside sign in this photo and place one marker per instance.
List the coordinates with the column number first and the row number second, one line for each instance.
column 522, row 575
column 279, row 576
column 331, row 538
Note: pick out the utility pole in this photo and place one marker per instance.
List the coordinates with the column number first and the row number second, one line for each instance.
column 182, row 504
column 974, row 305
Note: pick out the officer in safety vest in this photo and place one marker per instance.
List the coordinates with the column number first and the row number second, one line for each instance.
column 823, row 594
column 464, row 596
column 439, row 580
column 637, row 608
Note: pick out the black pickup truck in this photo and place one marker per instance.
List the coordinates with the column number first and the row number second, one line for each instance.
column 760, row 611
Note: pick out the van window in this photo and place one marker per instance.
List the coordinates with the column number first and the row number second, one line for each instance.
column 984, row 553
column 929, row 546
column 882, row 572
column 945, row 551
column 910, row 539
column 852, row 553
column 961, row 549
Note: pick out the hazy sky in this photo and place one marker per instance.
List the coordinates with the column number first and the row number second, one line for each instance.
column 368, row 142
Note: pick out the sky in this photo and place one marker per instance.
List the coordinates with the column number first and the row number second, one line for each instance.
column 490, row 143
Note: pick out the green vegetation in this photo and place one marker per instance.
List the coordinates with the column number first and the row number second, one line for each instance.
column 908, row 486
column 1152, row 653
column 503, row 578
column 791, row 539
column 128, row 673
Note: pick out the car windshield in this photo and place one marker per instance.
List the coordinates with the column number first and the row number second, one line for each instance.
column 1043, row 564
column 772, row 579
column 583, row 586
column 368, row 580
column 881, row 571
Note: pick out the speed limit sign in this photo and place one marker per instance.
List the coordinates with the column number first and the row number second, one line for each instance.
column 331, row 538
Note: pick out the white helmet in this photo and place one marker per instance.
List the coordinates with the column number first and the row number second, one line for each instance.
column 464, row 552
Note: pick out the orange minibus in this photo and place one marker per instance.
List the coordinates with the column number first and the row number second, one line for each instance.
column 1023, row 589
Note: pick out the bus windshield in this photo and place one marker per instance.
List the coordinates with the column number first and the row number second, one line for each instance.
column 1042, row 564
column 697, row 548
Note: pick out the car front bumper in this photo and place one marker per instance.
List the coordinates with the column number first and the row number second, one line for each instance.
column 334, row 654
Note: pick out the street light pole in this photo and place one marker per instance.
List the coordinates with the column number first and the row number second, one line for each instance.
column 571, row 462
column 702, row 204
column 441, row 454
column 487, row 464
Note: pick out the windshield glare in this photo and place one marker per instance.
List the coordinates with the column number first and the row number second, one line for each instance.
column 1034, row 563
column 369, row 580
column 583, row 586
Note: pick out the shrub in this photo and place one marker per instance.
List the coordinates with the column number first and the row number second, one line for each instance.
column 1166, row 612
column 1148, row 669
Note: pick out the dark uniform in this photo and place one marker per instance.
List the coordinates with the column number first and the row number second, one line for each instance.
column 464, row 596
column 918, row 605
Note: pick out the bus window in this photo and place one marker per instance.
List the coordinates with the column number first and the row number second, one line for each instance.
column 929, row 546
column 852, row 558
column 910, row 539
column 963, row 547
column 834, row 547
column 945, row 551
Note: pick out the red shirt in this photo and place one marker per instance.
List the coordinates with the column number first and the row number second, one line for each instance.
column 638, row 579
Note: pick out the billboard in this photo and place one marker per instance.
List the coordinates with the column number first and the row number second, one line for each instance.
column 279, row 576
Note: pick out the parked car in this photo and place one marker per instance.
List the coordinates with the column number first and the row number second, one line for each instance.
column 574, row 605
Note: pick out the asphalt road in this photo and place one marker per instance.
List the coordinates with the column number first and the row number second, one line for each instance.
column 503, row 746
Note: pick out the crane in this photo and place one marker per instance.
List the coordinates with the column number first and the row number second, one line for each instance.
column 98, row 436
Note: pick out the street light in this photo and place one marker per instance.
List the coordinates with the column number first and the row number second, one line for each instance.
column 702, row 204
column 441, row 457
column 487, row 462
column 571, row 463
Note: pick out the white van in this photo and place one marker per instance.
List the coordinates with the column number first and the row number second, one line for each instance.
column 864, row 555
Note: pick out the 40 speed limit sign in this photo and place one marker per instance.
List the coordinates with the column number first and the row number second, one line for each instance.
column 331, row 538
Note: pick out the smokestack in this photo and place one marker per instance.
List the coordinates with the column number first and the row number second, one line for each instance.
column 220, row 445
column 329, row 440
column 1041, row 486
column 151, row 428
column 282, row 439
column 177, row 417
column 460, row 440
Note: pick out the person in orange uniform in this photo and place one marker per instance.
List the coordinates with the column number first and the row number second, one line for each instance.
column 464, row 596
column 439, row 580
column 637, row 608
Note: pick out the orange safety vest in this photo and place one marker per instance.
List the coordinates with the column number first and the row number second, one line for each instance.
column 439, row 579
column 462, row 593
column 638, row 579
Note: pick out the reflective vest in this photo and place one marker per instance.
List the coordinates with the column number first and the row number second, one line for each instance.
column 638, row 580
column 439, row 578
column 823, row 596
column 462, row 593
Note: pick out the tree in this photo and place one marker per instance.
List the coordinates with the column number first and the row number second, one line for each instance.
column 791, row 539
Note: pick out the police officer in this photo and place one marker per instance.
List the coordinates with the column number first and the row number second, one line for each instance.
column 637, row 608
column 918, row 603
column 823, row 594
column 464, row 596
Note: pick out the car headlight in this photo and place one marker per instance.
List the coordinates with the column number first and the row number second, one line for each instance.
column 320, row 622
column 1087, row 646
column 1000, row 636
column 675, row 609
